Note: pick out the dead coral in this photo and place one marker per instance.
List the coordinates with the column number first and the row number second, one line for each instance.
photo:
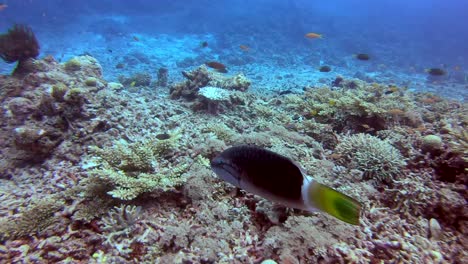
column 202, row 77
column 136, row 80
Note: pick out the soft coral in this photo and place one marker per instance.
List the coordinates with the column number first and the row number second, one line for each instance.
column 18, row 44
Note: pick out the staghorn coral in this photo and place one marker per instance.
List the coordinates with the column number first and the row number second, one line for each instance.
column 32, row 221
column 133, row 168
column 377, row 158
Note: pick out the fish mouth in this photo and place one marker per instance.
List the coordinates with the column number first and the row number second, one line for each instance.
column 226, row 171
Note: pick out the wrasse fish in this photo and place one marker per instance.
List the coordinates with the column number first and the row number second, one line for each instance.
column 217, row 66
column 313, row 35
column 244, row 47
column 279, row 179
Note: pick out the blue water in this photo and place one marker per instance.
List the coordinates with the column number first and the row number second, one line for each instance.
column 403, row 38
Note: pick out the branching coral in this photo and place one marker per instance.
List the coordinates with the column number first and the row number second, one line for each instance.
column 367, row 107
column 377, row 158
column 133, row 168
column 34, row 220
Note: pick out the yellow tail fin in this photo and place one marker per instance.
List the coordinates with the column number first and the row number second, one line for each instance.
column 334, row 203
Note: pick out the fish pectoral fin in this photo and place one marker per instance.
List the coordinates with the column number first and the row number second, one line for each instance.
column 335, row 203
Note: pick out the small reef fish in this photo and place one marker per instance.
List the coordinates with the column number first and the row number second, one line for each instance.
column 3, row 6
column 279, row 179
column 435, row 71
column 135, row 38
column 362, row 56
column 244, row 47
column 313, row 35
column 325, row 69
column 217, row 66
column 204, row 44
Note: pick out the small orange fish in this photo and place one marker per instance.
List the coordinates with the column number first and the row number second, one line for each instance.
column 3, row 7
column 313, row 35
column 244, row 47
column 136, row 38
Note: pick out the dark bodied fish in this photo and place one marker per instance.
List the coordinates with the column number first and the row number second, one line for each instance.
column 217, row 66
column 435, row 71
column 325, row 69
column 362, row 56
column 279, row 179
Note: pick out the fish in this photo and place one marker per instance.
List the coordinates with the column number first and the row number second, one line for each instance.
column 279, row 179
column 217, row 66
column 132, row 84
column 362, row 56
column 313, row 35
column 325, row 69
column 285, row 92
column 204, row 44
column 3, row 6
column 135, row 38
column 435, row 71
column 244, row 47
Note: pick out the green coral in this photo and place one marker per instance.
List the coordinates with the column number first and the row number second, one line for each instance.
column 135, row 168
column 38, row 217
column 368, row 103
column 128, row 157
column 73, row 64
column 377, row 158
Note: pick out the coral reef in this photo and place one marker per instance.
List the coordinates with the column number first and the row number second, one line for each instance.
column 123, row 176
column 133, row 168
column 377, row 159
column 202, row 77
column 138, row 79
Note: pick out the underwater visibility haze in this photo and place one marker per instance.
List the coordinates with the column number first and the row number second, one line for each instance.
column 266, row 131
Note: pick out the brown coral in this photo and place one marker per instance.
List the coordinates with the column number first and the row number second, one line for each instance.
column 19, row 44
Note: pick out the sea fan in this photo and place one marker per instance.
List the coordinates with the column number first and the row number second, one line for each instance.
column 19, row 44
